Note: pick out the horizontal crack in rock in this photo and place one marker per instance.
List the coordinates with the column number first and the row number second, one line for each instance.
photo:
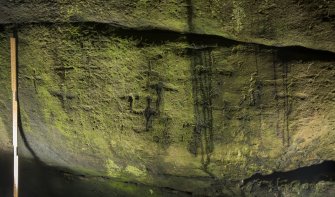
column 324, row 171
column 207, row 41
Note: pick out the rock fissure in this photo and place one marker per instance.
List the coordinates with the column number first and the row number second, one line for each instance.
column 325, row 171
column 200, row 41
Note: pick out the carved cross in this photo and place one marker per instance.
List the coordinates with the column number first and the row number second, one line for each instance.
column 63, row 70
column 63, row 95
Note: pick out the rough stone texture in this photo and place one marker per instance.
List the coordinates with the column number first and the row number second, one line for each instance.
column 151, row 97
column 308, row 23
column 170, row 110
column 5, row 96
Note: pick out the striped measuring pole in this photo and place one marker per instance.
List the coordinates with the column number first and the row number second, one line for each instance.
column 13, row 59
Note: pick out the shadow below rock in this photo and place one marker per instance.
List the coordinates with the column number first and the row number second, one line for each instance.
column 41, row 180
column 6, row 175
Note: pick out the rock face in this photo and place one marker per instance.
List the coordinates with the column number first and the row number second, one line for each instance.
column 170, row 113
column 280, row 23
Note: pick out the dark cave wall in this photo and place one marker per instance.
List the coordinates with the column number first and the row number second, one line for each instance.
column 180, row 97
column 171, row 112
column 279, row 23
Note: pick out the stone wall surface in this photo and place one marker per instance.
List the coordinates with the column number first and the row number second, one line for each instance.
column 166, row 98
column 271, row 22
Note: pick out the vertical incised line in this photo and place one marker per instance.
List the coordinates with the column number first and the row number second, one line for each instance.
column 274, row 55
column 258, row 102
column 202, row 140
column 287, row 106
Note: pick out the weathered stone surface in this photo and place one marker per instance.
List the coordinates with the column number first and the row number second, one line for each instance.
column 156, row 101
column 170, row 110
column 271, row 22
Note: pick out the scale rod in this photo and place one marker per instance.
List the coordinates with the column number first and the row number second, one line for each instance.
column 13, row 60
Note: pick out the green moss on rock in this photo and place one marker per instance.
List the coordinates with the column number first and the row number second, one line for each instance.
column 168, row 113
